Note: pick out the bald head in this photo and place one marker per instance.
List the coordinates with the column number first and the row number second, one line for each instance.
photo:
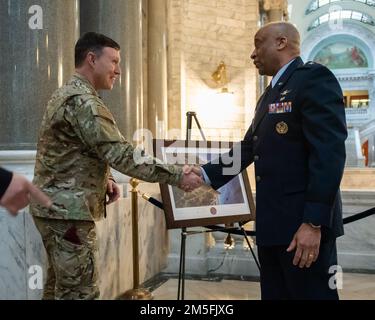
column 285, row 30
column 275, row 45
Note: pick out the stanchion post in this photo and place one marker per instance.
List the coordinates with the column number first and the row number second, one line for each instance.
column 136, row 293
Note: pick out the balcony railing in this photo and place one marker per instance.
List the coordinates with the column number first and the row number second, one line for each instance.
column 357, row 114
column 356, row 111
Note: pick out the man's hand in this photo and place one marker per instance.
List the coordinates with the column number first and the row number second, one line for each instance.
column 195, row 169
column 113, row 191
column 191, row 179
column 19, row 193
column 307, row 242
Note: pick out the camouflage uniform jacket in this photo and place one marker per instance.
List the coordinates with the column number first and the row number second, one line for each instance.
column 78, row 142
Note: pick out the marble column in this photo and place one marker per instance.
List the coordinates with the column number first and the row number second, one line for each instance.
column 157, row 69
column 276, row 10
column 371, row 151
column 122, row 21
column 371, row 110
column 271, row 11
column 37, row 56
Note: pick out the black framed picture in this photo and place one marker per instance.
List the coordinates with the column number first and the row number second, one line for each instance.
column 204, row 206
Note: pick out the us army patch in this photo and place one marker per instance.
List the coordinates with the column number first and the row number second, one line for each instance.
column 280, row 107
column 281, row 127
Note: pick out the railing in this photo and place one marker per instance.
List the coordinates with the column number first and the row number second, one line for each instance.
column 356, row 114
column 356, row 111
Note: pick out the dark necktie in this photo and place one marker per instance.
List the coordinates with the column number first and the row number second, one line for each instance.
column 261, row 105
column 264, row 97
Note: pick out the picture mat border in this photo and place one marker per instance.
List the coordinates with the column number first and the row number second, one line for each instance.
column 166, row 190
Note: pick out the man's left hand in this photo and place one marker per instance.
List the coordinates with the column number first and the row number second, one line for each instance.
column 113, row 191
column 306, row 241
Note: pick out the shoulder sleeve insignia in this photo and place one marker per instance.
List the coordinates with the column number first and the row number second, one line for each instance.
column 102, row 112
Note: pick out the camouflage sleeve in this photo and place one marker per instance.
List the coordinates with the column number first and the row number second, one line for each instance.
column 96, row 127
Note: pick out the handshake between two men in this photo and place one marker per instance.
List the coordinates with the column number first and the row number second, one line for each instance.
column 20, row 191
column 192, row 178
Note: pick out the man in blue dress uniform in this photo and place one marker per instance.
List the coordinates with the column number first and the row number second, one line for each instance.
column 297, row 142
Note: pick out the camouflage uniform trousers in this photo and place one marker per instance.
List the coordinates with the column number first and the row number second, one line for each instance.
column 72, row 256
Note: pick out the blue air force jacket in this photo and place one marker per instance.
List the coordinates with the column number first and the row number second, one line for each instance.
column 297, row 143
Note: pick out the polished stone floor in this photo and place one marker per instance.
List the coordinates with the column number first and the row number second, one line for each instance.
column 355, row 286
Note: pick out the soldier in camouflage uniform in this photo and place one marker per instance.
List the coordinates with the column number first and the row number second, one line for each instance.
column 78, row 142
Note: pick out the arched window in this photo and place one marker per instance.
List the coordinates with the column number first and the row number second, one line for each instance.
column 343, row 14
column 316, row 4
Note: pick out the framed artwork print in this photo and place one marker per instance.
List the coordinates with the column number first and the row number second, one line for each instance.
column 204, row 206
